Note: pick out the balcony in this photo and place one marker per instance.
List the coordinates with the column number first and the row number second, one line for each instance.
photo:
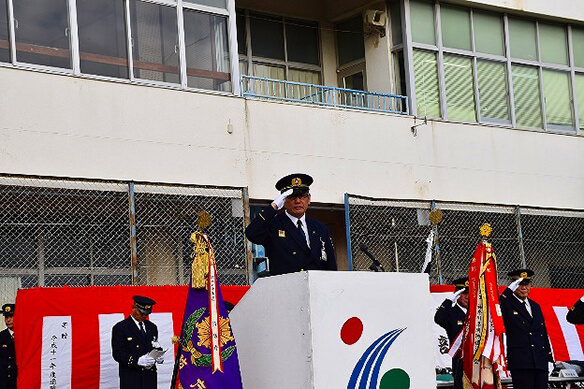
column 297, row 92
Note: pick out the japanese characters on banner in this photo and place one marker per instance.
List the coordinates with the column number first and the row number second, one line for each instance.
column 56, row 353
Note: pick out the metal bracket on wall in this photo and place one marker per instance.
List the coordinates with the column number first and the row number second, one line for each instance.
column 415, row 126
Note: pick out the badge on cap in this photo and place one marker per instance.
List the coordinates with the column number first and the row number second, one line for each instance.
column 523, row 275
column 7, row 309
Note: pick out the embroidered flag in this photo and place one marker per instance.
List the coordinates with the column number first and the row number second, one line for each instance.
column 208, row 355
column 482, row 344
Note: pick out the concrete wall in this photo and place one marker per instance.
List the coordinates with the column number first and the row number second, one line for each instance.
column 65, row 126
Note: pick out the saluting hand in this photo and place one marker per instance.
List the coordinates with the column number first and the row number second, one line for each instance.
column 515, row 284
column 454, row 296
column 278, row 203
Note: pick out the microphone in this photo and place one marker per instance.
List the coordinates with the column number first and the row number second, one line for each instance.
column 376, row 265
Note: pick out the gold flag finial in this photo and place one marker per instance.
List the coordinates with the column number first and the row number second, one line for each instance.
column 200, row 266
column 436, row 216
column 204, row 220
column 486, row 230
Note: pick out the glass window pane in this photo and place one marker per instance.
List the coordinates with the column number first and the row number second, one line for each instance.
column 267, row 36
column 455, row 27
column 4, row 44
column 422, row 17
column 268, row 88
column 578, row 45
column 350, row 41
column 426, row 84
column 526, row 96
column 580, row 100
column 154, row 35
column 42, row 33
column 396, row 25
column 399, row 73
column 459, row 84
column 558, row 105
column 553, row 43
column 492, row 79
column 211, row 3
column 102, row 37
column 269, row 71
column 522, row 39
column 206, row 40
column 241, row 34
column 304, row 76
column 488, row 29
column 302, row 42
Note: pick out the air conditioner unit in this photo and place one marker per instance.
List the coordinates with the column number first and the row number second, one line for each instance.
column 375, row 18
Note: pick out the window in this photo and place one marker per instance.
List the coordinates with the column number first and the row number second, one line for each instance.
column 422, row 15
column 281, row 49
column 556, row 92
column 155, row 41
column 526, row 96
column 350, row 44
column 455, row 27
column 102, row 38
column 207, row 49
column 42, row 36
column 493, row 93
column 458, row 80
column 426, row 79
column 553, row 44
column 578, row 44
column 4, row 37
column 579, row 84
column 488, row 29
column 522, row 39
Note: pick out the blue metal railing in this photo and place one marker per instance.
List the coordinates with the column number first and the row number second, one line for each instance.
column 265, row 88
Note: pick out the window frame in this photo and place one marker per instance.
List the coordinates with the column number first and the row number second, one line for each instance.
column 440, row 50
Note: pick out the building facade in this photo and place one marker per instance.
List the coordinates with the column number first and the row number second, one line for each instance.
column 395, row 108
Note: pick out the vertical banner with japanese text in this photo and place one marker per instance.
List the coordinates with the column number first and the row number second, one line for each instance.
column 56, row 353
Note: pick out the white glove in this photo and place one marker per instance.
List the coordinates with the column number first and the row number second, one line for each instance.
column 160, row 360
column 582, row 299
column 279, row 201
column 515, row 284
column 146, row 361
column 455, row 295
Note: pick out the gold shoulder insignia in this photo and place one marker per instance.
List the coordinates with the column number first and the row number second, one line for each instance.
column 281, row 233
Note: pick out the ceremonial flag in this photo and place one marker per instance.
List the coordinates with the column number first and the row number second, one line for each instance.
column 208, row 355
column 482, row 344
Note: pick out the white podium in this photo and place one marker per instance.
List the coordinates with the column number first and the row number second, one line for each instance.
column 336, row 330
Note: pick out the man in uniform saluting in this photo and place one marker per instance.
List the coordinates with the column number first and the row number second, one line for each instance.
column 7, row 353
column 292, row 241
column 528, row 346
column 132, row 340
column 451, row 315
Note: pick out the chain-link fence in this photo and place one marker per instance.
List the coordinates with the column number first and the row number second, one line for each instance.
column 551, row 242
column 56, row 232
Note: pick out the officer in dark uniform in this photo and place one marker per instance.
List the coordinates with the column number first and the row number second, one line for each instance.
column 7, row 353
column 451, row 316
column 132, row 340
column 528, row 346
column 576, row 314
column 292, row 241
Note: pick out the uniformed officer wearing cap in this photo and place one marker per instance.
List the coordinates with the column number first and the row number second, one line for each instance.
column 528, row 346
column 451, row 315
column 7, row 353
column 292, row 241
column 576, row 314
column 132, row 339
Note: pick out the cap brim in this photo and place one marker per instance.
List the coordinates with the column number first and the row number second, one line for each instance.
column 145, row 311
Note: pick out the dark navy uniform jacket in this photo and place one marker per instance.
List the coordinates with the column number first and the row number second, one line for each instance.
column 128, row 344
column 7, row 361
column 576, row 313
column 451, row 318
column 285, row 246
column 528, row 346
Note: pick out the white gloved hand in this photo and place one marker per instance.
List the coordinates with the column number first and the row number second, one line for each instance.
column 279, row 201
column 582, row 299
column 515, row 284
column 550, row 368
column 160, row 360
column 146, row 361
column 454, row 296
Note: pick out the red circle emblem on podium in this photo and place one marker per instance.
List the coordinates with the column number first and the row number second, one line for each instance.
column 352, row 330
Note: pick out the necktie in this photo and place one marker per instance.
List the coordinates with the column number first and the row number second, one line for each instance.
column 142, row 329
column 299, row 223
column 525, row 306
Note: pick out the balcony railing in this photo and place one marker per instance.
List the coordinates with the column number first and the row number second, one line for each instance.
column 265, row 88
